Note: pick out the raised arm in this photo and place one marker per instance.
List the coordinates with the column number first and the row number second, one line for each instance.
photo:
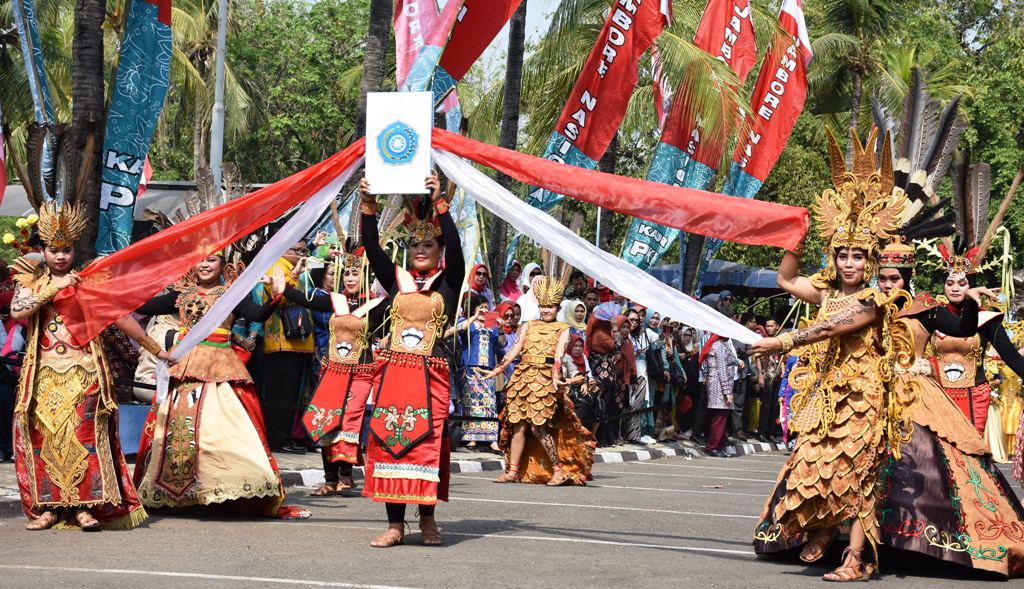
column 994, row 332
column 454, row 263
column 942, row 319
column 379, row 261
column 857, row 316
column 317, row 301
column 789, row 280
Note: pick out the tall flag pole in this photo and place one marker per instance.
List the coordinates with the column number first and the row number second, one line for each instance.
column 42, row 105
column 776, row 104
column 687, row 154
column 598, row 102
column 140, row 88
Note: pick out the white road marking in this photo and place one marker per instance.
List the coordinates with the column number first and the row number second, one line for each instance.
column 607, row 507
column 551, row 539
column 686, row 476
column 593, row 486
column 278, row 580
column 701, row 466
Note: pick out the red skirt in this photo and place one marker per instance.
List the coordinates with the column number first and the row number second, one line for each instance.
column 973, row 402
column 408, row 451
column 354, row 383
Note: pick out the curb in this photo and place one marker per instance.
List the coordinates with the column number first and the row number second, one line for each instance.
column 313, row 477
column 10, row 505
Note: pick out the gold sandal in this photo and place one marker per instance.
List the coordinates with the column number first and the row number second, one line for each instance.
column 818, row 546
column 47, row 520
column 854, row 570
column 430, row 535
column 391, row 537
column 512, row 476
column 326, row 489
column 86, row 521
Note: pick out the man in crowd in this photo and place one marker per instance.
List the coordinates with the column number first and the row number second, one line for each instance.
column 287, row 357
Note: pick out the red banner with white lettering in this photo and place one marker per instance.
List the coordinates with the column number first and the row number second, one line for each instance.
column 726, row 31
column 598, row 101
column 477, row 24
column 778, row 96
column 419, row 25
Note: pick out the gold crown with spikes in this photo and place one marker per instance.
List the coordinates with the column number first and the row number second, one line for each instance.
column 417, row 230
column 350, row 261
column 863, row 211
column 61, row 225
column 550, row 291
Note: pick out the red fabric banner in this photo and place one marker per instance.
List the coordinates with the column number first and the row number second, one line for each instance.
column 133, row 275
column 598, row 102
column 113, row 286
column 418, row 24
column 778, row 96
column 730, row 218
column 726, row 31
column 477, row 24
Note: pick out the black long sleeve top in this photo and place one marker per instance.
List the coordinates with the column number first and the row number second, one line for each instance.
column 321, row 301
column 449, row 285
column 167, row 304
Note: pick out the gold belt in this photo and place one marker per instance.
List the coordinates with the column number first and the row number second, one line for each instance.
column 537, row 360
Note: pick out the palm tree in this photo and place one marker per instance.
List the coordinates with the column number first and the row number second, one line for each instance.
column 374, row 57
column 848, row 57
column 509, row 122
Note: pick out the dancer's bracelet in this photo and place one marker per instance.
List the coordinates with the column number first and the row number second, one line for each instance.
column 149, row 344
column 786, row 339
column 440, row 205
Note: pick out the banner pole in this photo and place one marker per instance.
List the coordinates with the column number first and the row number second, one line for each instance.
column 597, row 232
column 217, row 122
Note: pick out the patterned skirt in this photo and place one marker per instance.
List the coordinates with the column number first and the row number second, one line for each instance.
column 479, row 399
column 408, row 451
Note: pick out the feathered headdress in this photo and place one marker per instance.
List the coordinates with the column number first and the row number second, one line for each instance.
column 61, row 225
column 551, row 289
column 862, row 211
column 420, row 223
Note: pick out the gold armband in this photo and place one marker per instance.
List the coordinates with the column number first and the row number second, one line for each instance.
column 149, row 344
column 787, row 342
column 46, row 293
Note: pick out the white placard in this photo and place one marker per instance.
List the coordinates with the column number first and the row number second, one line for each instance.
column 398, row 126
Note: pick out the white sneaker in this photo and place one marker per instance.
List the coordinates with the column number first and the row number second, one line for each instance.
column 648, row 440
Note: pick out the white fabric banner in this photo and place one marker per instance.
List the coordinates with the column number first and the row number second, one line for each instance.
column 618, row 275
column 276, row 246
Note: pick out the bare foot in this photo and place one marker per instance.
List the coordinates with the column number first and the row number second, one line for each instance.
column 44, row 522
column 392, row 537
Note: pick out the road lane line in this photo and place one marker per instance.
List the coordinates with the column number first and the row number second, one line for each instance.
column 606, row 507
column 593, row 486
column 683, row 476
column 701, row 466
column 278, row 580
column 550, row 539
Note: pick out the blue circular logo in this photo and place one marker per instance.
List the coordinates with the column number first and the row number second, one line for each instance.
column 397, row 144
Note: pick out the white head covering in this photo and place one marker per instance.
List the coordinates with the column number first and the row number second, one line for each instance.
column 524, row 277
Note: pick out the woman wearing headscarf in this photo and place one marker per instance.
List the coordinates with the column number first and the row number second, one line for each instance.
column 509, row 289
column 583, row 391
column 531, row 271
column 478, row 280
column 574, row 314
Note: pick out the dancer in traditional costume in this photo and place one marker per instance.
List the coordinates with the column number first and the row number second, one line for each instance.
column 407, row 454
column 960, row 361
column 206, row 444
column 942, row 495
column 66, row 448
column 843, row 408
column 541, row 437
column 334, row 416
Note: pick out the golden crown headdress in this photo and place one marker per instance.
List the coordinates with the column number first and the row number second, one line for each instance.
column 61, row 225
column 550, row 291
column 863, row 211
column 417, row 230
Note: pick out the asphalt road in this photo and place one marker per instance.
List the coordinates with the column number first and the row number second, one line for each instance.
column 664, row 523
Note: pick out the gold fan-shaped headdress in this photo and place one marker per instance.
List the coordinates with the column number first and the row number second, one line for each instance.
column 61, row 225
column 864, row 210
